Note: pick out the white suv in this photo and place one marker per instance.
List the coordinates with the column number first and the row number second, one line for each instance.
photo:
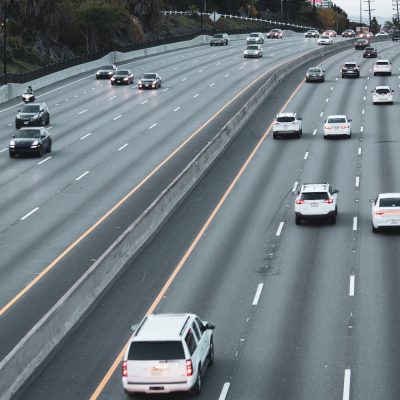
column 314, row 201
column 255, row 38
column 168, row 353
column 287, row 124
column 382, row 67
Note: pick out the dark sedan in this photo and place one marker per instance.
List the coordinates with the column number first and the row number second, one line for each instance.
column 315, row 74
column 361, row 44
column 149, row 81
column 32, row 115
column 122, row 77
column 370, row 52
column 35, row 140
column 106, row 71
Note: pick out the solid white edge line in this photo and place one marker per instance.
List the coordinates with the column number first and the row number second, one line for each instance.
column 346, row 384
column 355, row 223
column 224, row 391
column 306, row 155
column 279, row 231
column 258, row 294
column 29, row 213
column 85, row 136
column 295, row 186
column 81, row 176
column 357, row 181
column 352, row 284
column 122, row 147
column 152, row 126
column 43, row 161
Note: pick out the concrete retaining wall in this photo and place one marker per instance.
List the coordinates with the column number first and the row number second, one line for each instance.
column 35, row 347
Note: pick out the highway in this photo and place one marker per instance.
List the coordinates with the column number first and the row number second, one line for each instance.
column 114, row 150
column 302, row 312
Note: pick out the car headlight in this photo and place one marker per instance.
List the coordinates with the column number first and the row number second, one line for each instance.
column 125, row 79
column 34, row 144
column 140, row 82
column 113, row 79
column 12, row 143
column 110, row 73
column 307, row 74
column 36, row 116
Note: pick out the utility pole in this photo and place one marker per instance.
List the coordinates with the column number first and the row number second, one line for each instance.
column 5, row 42
column 369, row 11
column 395, row 4
column 360, row 14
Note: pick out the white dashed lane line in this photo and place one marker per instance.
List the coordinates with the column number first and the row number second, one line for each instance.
column 82, row 112
column 306, row 155
column 346, row 384
column 144, row 102
column 1, row 151
column 314, row 132
column 29, row 213
column 224, row 391
column 322, row 113
column 200, row 70
column 212, row 84
column 152, row 126
column 9, row 125
column 113, row 97
column 357, row 181
column 122, row 147
column 258, row 294
column 362, row 129
column 86, row 136
column 352, row 285
column 225, row 76
column 295, row 187
column 363, row 112
column 184, row 79
column 359, row 151
column 355, row 219
column 327, row 99
column 279, row 231
column 177, row 108
column 196, row 95
column 43, row 161
column 164, row 90
column 81, row 176
column 366, row 87
column 117, row 117
column 364, row 98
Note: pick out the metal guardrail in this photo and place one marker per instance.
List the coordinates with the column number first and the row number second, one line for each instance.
column 271, row 22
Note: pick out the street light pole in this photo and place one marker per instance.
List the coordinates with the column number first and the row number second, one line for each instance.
column 5, row 41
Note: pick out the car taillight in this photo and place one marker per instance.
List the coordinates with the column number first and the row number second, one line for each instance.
column 328, row 126
column 329, row 201
column 189, row 368
column 379, row 213
column 124, row 369
column 276, row 123
column 298, row 201
column 344, row 126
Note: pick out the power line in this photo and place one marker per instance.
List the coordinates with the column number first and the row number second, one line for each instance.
column 369, row 10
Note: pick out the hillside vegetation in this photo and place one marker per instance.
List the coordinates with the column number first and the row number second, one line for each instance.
column 42, row 32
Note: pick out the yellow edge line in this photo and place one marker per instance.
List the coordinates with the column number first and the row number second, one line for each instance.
column 189, row 251
column 127, row 196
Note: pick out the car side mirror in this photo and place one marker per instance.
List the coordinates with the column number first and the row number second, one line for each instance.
column 13, row 135
column 392, row 90
column 372, row 201
column 134, row 327
column 19, row 110
column 210, row 325
column 372, row 91
column 300, row 118
column 42, row 136
column 349, row 120
column 336, row 191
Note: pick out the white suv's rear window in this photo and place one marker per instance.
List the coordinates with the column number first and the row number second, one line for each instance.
column 314, row 196
column 285, row 119
column 389, row 202
column 147, row 351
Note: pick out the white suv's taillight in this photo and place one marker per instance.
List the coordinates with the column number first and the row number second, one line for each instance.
column 298, row 201
column 189, row 368
column 329, row 201
column 124, row 369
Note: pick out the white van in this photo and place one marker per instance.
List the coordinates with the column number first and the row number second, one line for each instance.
column 168, row 353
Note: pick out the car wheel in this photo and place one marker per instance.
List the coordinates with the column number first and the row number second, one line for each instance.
column 374, row 73
column 349, row 136
column 298, row 135
column 17, row 125
column 323, row 80
column 12, row 155
column 48, row 120
column 336, row 210
column 343, row 76
column 49, row 147
column 325, row 137
column 298, row 220
column 129, row 394
column 333, row 219
column 374, row 230
column 211, row 353
column 40, row 152
column 196, row 389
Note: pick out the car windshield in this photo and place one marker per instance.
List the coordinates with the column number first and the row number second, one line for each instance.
column 350, row 65
column 314, row 196
column 149, row 76
column 254, row 34
column 285, row 119
column 362, row 41
column 336, row 120
column 389, row 202
column 121, row 73
column 369, row 49
column 382, row 63
column 325, row 37
column 315, row 70
column 30, row 108
column 252, row 47
column 218, row 36
column 28, row 134
column 382, row 91
column 275, row 30
column 106, row 67
column 148, row 351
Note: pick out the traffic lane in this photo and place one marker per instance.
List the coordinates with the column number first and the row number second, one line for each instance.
column 247, row 142
column 261, row 120
column 376, row 289
column 11, row 324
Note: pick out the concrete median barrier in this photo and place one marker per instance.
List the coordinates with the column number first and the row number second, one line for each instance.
column 33, row 350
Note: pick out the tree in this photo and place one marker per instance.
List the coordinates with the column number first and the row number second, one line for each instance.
column 375, row 27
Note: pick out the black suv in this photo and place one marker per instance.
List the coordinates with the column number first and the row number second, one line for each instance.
column 396, row 36
column 34, row 140
column 35, row 114
column 370, row 52
column 350, row 69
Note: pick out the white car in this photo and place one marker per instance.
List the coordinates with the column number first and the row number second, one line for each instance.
column 325, row 39
column 316, row 201
column 382, row 33
column 382, row 67
column 168, row 353
column 312, row 33
column 287, row 124
column 337, row 125
column 382, row 94
column 253, row 50
column 255, row 38
column 385, row 211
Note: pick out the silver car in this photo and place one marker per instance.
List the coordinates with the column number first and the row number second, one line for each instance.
column 253, row 50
